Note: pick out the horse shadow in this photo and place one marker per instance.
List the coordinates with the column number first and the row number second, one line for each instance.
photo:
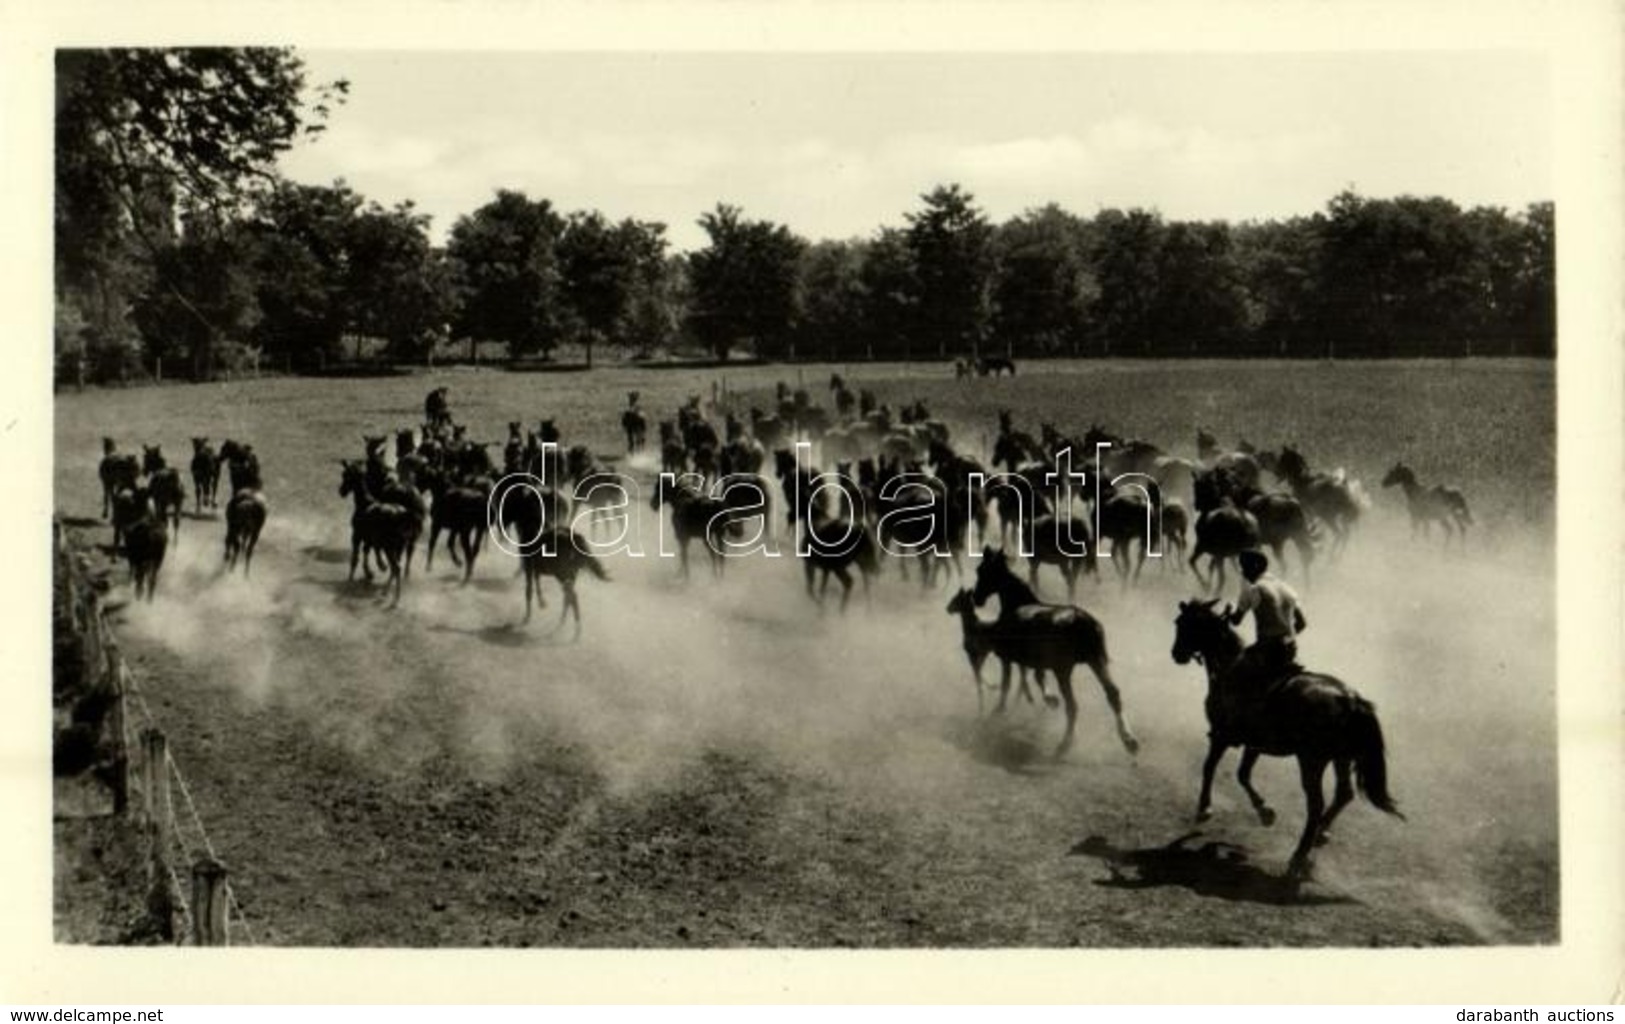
column 82, row 522
column 1017, row 747
column 346, row 591
column 1215, row 869
column 511, row 634
column 326, row 555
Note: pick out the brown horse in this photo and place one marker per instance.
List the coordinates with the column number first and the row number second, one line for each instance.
column 1316, row 718
column 117, row 473
column 205, row 474
column 145, row 539
column 165, row 486
column 1437, row 504
column 377, row 527
column 245, row 518
column 558, row 554
column 1051, row 637
column 979, row 640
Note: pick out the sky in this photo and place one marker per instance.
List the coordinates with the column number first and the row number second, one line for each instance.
column 838, row 145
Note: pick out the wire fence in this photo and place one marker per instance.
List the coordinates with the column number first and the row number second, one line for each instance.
column 145, row 776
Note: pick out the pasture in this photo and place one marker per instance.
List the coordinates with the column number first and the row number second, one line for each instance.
column 718, row 763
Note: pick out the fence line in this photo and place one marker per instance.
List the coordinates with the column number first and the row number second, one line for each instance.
column 207, row 912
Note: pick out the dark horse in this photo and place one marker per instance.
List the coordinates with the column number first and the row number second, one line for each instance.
column 117, row 473
column 245, row 518
column 205, row 474
column 1438, row 504
column 1315, row 718
column 558, row 554
column 995, row 365
column 378, row 527
column 1048, row 637
column 634, row 424
column 145, row 538
column 165, row 486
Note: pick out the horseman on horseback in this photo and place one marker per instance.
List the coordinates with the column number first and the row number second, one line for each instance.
column 1277, row 621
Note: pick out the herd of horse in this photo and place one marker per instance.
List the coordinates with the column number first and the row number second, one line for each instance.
column 898, row 488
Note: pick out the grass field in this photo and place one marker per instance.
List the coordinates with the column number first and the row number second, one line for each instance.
column 718, row 764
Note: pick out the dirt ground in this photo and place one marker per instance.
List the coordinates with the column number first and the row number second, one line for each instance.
column 718, row 763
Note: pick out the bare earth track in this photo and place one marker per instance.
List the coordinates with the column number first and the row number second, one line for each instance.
column 717, row 764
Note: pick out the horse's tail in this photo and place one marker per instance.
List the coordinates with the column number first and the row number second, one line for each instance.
column 1371, row 767
column 594, row 566
column 1458, row 504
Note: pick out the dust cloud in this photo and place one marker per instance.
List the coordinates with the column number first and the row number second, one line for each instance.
column 1456, row 650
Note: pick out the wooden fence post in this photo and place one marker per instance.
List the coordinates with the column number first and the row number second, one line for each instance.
column 155, row 782
column 163, row 902
column 116, row 718
column 209, row 927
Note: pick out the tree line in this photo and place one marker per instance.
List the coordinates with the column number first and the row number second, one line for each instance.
column 178, row 245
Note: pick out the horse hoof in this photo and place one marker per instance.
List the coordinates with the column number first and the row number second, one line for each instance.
column 1323, row 839
column 1203, row 815
column 1131, row 745
column 1051, row 700
column 1266, row 816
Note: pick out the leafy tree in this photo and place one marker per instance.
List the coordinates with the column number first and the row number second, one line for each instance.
column 1279, row 267
column 303, row 236
column 891, row 295
column 203, row 297
column 506, row 259
column 659, row 305
column 1042, row 286
column 1199, row 300
column 1534, row 310
column 1126, row 262
column 603, row 267
column 745, row 283
column 142, row 135
column 832, row 324
column 397, row 286
column 952, row 246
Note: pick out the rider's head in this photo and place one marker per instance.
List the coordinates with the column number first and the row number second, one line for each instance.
column 1253, row 564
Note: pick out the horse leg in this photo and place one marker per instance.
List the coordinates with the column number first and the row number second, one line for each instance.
column 846, row 585
column 1312, row 769
column 1342, row 796
column 1244, row 775
column 395, row 577
column 355, row 555
column 1210, row 764
column 530, row 582
column 572, row 606
column 1103, row 673
column 1004, row 686
column 1063, row 682
column 976, row 662
column 1196, row 570
column 811, row 569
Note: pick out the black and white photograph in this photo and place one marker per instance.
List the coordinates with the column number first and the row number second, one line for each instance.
column 611, row 498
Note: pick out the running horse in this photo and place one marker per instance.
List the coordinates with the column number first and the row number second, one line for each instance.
column 1048, row 637
column 1315, row 718
column 558, row 553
